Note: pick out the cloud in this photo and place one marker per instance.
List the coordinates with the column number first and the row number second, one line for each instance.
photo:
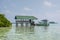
column 58, row 11
column 13, row 5
column 53, row 16
column 7, row 11
column 27, row 9
column 5, row 7
column 48, row 4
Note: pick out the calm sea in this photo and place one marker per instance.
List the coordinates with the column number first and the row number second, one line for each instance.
column 51, row 32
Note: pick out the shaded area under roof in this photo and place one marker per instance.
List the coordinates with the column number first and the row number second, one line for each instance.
column 25, row 17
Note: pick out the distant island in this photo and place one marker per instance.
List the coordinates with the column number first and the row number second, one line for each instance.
column 52, row 22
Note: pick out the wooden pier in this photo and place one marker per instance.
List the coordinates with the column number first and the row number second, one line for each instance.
column 24, row 20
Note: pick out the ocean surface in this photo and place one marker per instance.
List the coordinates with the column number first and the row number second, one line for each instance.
column 51, row 32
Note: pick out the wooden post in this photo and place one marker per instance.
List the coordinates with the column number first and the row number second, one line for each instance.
column 21, row 23
column 27, row 24
column 16, row 24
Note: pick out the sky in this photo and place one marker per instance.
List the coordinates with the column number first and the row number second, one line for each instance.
column 42, row 9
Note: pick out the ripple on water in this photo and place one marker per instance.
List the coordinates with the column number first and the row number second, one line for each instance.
column 33, row 33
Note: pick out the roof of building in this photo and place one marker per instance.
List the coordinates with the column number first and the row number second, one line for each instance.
column 25, row 17
column 44, row 20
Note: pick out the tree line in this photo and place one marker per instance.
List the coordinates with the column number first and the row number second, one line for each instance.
column 4, row 22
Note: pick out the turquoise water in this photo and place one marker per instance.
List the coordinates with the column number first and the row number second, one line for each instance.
column 51, row 32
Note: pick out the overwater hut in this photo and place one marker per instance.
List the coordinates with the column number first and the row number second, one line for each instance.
column 45, row 22
column 27, row 20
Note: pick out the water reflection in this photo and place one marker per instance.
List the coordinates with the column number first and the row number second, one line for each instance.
column 45, row 28
column 25, row 29
column 25, row 33
column 33, row 33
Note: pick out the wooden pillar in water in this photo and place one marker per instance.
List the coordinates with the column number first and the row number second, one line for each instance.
column 16, row 24
column 26, row 24
column 21, row 23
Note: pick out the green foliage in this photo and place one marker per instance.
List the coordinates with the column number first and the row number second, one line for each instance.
column 4, row 22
